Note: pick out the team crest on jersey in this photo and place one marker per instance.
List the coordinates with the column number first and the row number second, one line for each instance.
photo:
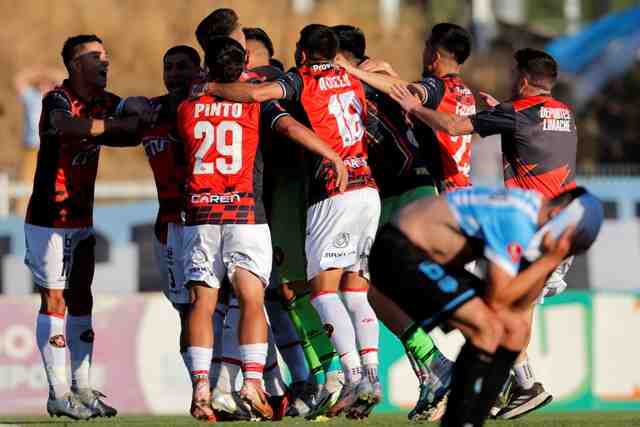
column 515, row 251
column 341, row 241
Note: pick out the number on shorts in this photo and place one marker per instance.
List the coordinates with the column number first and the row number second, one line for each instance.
column 346, row 108
column 232, row 162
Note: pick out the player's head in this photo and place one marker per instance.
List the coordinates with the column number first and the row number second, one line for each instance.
column 86, row 60
column 220, row 22
column 224, row 58
column 259, row 47
column 576, row 207
column 535, row 71
column 317, row 43
column 448, row 44
column 352, row 43
column 181, row 66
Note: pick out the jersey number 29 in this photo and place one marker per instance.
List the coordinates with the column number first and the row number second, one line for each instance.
column 211, row 134
column 346, row 108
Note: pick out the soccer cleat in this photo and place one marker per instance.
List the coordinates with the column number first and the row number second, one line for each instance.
column 201, row 402
column 303, row 398
column 68, row 406
column 438, row 410
column 369, row 395
column 92, row 400
column 280, row 404
column 503, row 397
column 420, row 412
column 230, row 407
column 523, row 401
column 254, row 396
column 348, row 396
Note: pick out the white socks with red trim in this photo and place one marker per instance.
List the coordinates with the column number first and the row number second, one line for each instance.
column 80, row 341
column 200, row 358
column 339, row 327
column 367, row 330
column 52, row 345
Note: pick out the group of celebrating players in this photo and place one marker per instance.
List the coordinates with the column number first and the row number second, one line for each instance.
column 277, row 190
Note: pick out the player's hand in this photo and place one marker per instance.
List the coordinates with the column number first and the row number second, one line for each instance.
column 488, row 99
column 342, row 174
column 560, row 248
column 378, row 66
column 405, row 98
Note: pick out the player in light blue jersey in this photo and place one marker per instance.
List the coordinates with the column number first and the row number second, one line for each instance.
column 417, row 264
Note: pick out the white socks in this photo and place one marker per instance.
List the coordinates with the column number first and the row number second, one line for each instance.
column 253, row 358
column 366, row 328
column 52, row 345
column 80, row 341
column 200, row 358
column 524, row 374
column 339, row 327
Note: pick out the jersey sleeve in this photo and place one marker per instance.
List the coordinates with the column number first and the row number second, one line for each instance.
column 291, row 84
column 432, row 91
column 271, row 112
column 498, row 120
column 56, row 101
column 505, row 240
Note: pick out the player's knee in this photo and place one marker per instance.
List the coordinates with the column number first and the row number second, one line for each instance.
column 489, row 331
column 52, row 301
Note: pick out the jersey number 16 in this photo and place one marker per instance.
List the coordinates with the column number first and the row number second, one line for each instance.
column 210, row 134
column 346, row 109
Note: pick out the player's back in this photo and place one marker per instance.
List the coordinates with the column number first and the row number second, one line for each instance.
column 223, row 170
column 333, row 104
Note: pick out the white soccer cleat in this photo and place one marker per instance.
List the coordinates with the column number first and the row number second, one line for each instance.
column 92, row 400
column 369, row 395
column 230, row 407
column 68, row 406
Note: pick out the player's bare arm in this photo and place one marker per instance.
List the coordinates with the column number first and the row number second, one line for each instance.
column 246, row 92
column 522, row 290
column 292, row 129
column 382, row 82
column 450, row 123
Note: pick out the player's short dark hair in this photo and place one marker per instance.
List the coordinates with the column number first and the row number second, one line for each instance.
column 566, row 197
column 69, row 48
column 220, row 22
column 260, row 35
column 225, row 58
column 351, row 39
column 538, row 65
column 453, row 39
column 190, row 52
column 319, row 41
column 276, row 63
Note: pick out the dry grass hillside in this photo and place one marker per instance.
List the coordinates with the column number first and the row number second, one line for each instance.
column 137, row 32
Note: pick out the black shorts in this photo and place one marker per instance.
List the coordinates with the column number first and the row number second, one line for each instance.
column 428, row 292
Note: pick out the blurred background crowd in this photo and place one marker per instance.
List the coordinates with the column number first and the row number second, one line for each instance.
column 597, row 43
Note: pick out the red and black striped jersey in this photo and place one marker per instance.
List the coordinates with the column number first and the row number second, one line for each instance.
column 333, row 104
column 66, row 169
column 539, row 142
column 165, row 154
column 223, row 164
column 449, row 156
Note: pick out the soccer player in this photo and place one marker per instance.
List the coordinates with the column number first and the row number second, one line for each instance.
column 78, row 117
column 539, row 142
column 448, row 160
column 340, row 227
column 225, row 230
column 400, row 169
column 418, row 261
column 220, row 23
column 181, row 65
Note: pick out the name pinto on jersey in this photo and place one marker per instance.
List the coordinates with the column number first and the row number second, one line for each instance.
column 556, row 119
column 218, row 109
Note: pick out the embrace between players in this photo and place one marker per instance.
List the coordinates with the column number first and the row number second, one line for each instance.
column 249, row 159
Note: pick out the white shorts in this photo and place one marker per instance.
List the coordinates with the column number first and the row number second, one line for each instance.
column 556, row 284
column 211, row 251
column 340, row 231
column 50, row 253
column 170, row 263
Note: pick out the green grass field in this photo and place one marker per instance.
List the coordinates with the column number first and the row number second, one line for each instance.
column 605, row 419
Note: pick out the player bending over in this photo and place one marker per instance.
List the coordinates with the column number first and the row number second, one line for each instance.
column 522, row 236
column 225, row 226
